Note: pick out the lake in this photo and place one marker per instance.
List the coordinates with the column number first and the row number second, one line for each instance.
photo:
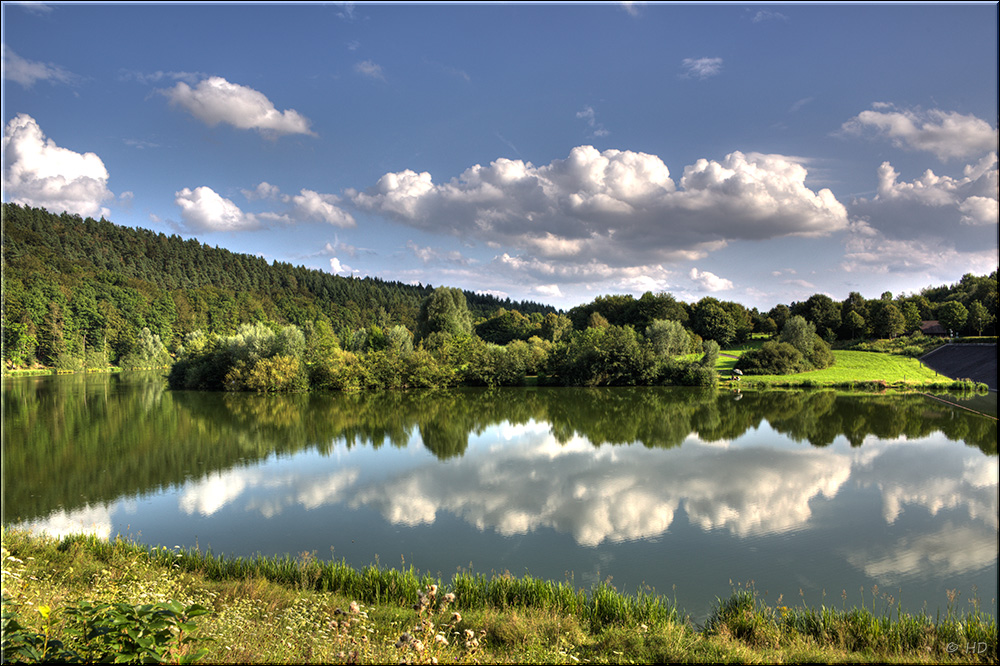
column 810, row 495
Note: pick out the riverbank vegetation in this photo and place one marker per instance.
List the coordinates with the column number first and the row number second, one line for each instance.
column 88, row 294
column 85, row 599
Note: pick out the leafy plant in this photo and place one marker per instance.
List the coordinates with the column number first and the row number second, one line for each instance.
column 118, row 633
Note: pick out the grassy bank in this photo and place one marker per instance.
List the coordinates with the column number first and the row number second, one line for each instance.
column 300, row 610
column 851, row 370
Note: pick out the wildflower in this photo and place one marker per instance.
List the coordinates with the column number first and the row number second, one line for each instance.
column 449, row 598
column 432, row 590
column 441, row 639
column 456, row 618
column 355, row 609
column 418, row 645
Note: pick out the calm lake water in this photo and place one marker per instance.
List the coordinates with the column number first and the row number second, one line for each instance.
column 685, row 491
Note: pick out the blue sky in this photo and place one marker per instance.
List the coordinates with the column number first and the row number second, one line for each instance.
column 755, row 153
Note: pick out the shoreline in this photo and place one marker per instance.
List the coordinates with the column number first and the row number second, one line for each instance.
column 497, row 619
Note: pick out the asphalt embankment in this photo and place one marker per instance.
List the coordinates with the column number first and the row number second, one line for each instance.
column 972, row 361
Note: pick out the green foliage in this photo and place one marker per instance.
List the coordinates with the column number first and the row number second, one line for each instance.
column 885, row 319
column 772, row 358
column 711, row 354
column 148, row 352
column 979, row 317
column 800, row 334
column 821, row 311
column 275, row 374
column 119, row 633
column 444, row 311
column 505, row 326
column 713, row 322
column 604, row 356
column 494, row 365
column 745, row 618
column 854, row 323
column 953, row 316
column 667, row 338
column 78, row 291
column 555, row 327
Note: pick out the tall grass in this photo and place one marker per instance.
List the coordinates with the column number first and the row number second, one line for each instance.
column 267, row 609
column 375, row 584
column 886, row 630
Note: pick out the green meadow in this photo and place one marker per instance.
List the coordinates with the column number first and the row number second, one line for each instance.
column 851, row 369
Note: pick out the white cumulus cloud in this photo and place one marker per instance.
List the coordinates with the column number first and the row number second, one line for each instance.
column 312, row 205
column 307, row 205
column 215, row 100
column 946, row 134
column 619, row 208
column 203, row 209
column 336, row 267
column 709, row 281
column 39, row 173
column 946, row 213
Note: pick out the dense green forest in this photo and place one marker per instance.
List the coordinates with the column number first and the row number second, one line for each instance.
column 86, row 293
column 79, row 291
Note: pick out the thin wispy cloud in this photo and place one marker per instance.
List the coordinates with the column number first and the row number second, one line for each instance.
column 768, row 15
column 590, row 116
column 150, row 78
column 701, row 68
column 38, row 8
column 370, row 69
column 800, row 103
column 346, row 11
column 631, row 8
column 29, row 72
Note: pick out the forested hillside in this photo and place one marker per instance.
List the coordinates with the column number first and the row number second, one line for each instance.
column 80, row 291
column 85, row 293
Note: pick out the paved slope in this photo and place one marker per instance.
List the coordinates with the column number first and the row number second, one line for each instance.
column 975, row 362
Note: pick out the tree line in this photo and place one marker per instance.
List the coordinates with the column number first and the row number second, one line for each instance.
column 87, row 293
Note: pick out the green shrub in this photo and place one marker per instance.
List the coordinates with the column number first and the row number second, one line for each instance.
column 104, row 633
column 773, row 358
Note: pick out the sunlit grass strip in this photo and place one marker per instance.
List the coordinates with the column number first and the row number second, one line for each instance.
column 851, row 369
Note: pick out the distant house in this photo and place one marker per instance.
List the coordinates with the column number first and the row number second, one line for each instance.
column 933, row 327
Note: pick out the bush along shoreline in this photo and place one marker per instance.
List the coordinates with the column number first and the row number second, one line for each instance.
column 87, row 600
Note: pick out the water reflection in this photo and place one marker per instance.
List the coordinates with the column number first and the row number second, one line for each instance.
column 891, row 489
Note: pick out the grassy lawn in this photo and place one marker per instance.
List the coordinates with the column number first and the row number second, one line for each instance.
column 850, row 367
